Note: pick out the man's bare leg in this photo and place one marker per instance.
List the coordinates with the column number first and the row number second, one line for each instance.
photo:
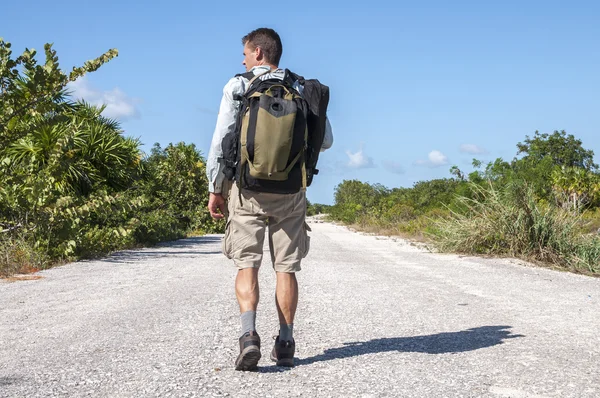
column 246, row 289
column 247, row 292
column 286, row 298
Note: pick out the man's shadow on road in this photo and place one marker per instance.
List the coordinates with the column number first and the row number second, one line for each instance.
column 152, row 253
column 440, row 343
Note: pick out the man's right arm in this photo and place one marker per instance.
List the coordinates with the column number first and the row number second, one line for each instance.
column 225, row 124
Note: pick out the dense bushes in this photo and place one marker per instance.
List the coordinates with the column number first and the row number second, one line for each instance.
column 394, row 211
column 72, row 185
column 316, row 208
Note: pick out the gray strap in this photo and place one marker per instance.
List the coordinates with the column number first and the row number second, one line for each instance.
column 256, row 77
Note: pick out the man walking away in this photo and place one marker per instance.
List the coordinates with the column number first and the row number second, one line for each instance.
column 270, row 129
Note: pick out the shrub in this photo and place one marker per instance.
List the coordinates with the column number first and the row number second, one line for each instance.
column 347, row 213
column 590, row 221
column 316, row 208
column 17, row 255
column 513, row 222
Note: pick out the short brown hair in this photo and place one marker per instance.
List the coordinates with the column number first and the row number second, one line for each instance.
column 269, row 42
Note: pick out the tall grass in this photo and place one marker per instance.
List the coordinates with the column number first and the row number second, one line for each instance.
column 511, row 221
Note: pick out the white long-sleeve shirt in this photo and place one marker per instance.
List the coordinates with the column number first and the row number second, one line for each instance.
column 227, row 119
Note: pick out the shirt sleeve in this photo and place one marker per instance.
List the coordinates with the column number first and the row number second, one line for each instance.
column 328, row 138
column 225, row 123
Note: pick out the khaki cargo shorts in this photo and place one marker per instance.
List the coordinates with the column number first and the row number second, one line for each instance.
column 247, row 221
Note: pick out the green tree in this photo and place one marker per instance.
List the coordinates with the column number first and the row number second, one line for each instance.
column 575, row 187
column 40, row 135
column 359, row 193
column 29, row 90
column 88, row 151
column 539, row 155
column 564, row 150
column 176, row 185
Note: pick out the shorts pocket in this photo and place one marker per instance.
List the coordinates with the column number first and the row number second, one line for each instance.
column 306, row 240
column 227, row 240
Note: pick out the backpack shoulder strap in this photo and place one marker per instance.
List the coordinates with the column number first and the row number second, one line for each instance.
column 252, row 77
column 247, row 75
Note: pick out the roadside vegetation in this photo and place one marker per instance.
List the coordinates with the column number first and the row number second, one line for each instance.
column 72, row 185
column 543, row 206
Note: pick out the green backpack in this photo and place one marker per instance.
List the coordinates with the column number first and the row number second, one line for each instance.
column 272, row 148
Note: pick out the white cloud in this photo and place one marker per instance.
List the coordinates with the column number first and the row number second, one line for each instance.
column 359, row 160
column 393, row 167
column 434, row 159
column 472, row 149
column 118, row 104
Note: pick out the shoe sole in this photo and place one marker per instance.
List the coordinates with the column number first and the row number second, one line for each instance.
column 286, row 362
column 248, row 359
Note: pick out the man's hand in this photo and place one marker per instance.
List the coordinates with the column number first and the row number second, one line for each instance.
column 216, row 203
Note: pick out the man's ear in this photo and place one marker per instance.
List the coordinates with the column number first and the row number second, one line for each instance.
column 259, row 53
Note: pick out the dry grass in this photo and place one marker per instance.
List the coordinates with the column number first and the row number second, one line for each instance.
column 17, row 256
column 418, row 236
column 511, row 222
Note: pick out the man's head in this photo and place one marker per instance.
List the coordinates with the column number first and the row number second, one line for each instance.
column 262, row 47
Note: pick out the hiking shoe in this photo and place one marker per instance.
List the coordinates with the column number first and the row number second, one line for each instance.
column 249, row 352
column 283, row 352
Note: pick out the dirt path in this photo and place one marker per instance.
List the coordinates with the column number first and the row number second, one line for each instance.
column 376, row 318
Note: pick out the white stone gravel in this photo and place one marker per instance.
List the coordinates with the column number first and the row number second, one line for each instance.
column 377, row 318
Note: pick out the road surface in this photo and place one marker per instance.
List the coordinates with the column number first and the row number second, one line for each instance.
column 377, row 318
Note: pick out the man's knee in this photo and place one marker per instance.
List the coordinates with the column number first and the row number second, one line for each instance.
column 286, row 280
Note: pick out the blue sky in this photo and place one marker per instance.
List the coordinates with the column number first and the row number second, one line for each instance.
column 416, row 87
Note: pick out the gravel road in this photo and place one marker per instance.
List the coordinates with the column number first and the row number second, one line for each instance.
column 377, row 318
